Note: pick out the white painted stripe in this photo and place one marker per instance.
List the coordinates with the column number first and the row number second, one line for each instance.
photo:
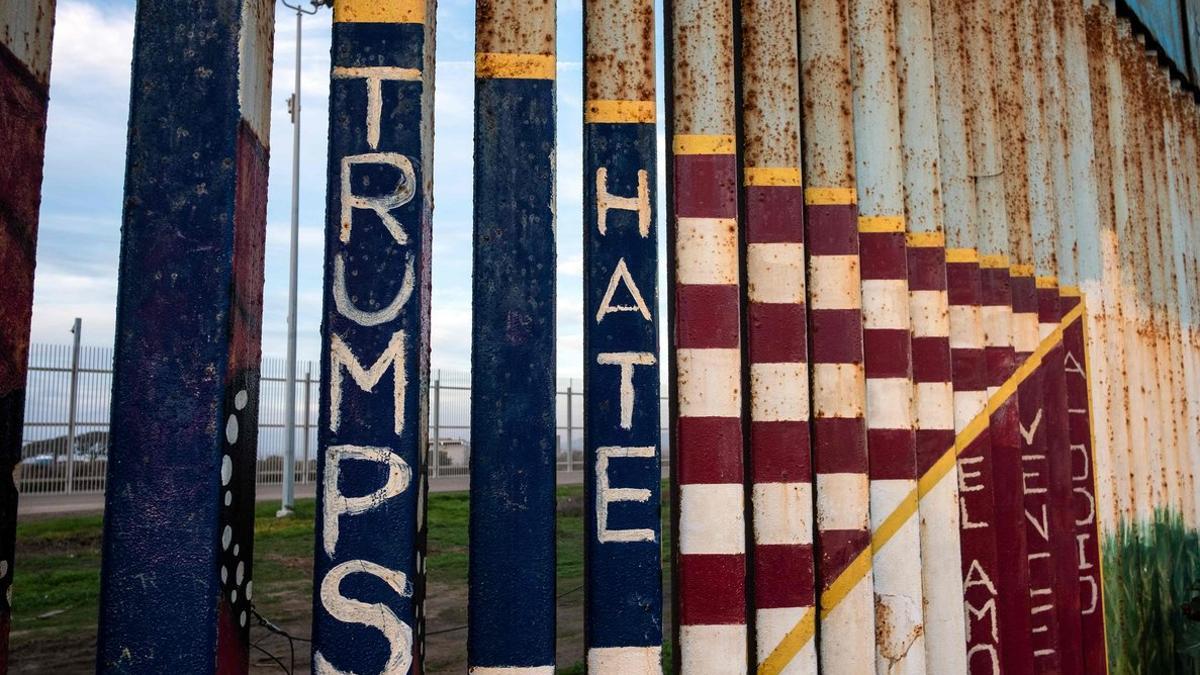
column 842, row 501
column 1025, row 331
column 1045, row 329
column 941, row 569
column 833, row 282
column 886, row 495
column 889, row 403
column 773, row 624
column 622, row 660
column 511, row 670
column 775, row 273
column 930, row 312
column 779, row 392
column 712, row 649
column 968, row 404
column 26, row 28
column 782, row 513
column 254, row 66
column 997, row 325
column 709, row 382
column 966, row 327
column 706, row 251
column 899, row 601
column 839, row 389
column 849, row 626
column 711, row 519
column 885, row 303
column 935, row 405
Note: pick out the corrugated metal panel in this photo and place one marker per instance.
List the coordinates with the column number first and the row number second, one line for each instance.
column 1191, row 17
column 1164, row 20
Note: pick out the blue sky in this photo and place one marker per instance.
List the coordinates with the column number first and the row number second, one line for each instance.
column 79, row 235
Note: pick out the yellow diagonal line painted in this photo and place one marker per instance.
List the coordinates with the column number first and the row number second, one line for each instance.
column 803, row 631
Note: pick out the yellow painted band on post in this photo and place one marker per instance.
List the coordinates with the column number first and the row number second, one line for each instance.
column 1069, row 291
column 1021, row 270
column 881, row 224
column 994, row 261
column 925, row 239
column 375, row 11
column 962, row 255
column 502, row 66
column 1047, row 282
column 601, row 111
column 800, row 634
column 830, row 196
column 702, row 144
column 772, row 176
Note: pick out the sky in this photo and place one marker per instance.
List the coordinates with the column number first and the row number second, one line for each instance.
column 79, row 231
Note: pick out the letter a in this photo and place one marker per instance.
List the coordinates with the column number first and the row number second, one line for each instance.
column 619, row 275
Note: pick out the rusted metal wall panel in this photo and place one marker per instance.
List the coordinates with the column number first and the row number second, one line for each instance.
column 185, row 383
column 623, row 587
column 511, row 595
column 371, row 438
column 26, row 28
column 707, row 443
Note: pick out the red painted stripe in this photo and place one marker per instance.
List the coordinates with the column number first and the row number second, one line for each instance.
column 783, row 576
column 781, row 452
column 707, row 316
column 994, row 284
column 883, row 255
column 249, row 233
column 1047, row 302
column 777, row 333
column 839, row 445
column 715, row 592
column 962, row 283
column 1024, row 295
column 1001, row 362
column 832, row 229
column 887, row 353
column 774, row 214
column 836, row 335
column 969, row 368
column 838, row 549
column 893, row 454
column 931, row 359
column 710, row 450
column 926, row 268
column 931, row 445
column 705, row 186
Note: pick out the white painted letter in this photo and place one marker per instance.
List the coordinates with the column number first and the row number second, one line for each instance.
column 336, row 504
column 406, row 187
column 619, row 275
column 366, row 379
column 606, row 495
column 375, row 76
column 397, row 633
column 605, row 201
column 626, row 360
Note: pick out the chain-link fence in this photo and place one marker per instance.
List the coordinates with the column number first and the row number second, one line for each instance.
column 65, row 447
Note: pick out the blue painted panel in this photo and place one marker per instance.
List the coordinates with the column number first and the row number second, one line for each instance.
column 1191, row 11
column 511, row 596
column 373, row 367
column 179, row 505
column 1165, row 22
column 624, row 577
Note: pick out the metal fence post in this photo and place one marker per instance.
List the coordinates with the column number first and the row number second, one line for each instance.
column 570, row 426
column 436, row 412
column 72, row 404
column 307, row 418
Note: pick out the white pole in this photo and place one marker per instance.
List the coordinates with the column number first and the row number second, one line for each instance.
column 289, row 442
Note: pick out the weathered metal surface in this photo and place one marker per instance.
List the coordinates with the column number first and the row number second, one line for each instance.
column 511, row 595
column 25, row 36
column 371, row 438
column 941, row 557
column 176, row 579
column 887, row 346
column 707, row 443
column 777, row 335
column 623, row 587
column 1165, row 21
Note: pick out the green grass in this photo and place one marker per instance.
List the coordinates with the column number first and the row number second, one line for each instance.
column 57, row 574
column 1150, row 571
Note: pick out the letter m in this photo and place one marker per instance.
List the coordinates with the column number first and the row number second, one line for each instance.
column 341, row 357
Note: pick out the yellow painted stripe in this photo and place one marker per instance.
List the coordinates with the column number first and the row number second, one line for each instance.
column 925, row 239
column 502, row 66
column 1047, row 282
column 379, row 11
column 1021, row 270
column 1069, row 291
column 772, row 176
column 600, row 111
column 881, row 224
column 800, row 634
column 993, row 261
column 830, row 196
column 702, row 144
column 962, row 255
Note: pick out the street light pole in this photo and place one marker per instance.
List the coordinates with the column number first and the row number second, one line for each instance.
column 288, row 504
